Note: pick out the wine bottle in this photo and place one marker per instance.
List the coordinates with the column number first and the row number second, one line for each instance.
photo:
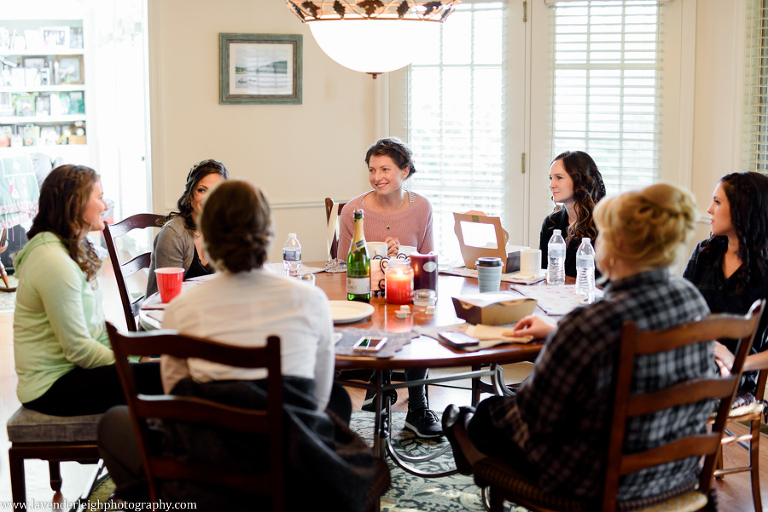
column 358, row 264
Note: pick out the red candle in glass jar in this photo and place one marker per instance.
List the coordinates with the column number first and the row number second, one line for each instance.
column 399, row 282
column 424, row 271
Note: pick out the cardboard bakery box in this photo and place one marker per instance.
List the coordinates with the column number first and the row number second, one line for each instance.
column 493, row 308
column 482, row 236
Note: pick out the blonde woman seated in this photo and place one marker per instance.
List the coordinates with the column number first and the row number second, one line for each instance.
column 555, row 428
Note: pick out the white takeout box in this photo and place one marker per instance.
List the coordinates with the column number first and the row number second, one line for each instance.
column 493, row 308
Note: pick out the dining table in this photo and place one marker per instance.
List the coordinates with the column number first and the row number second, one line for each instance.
column 422, row 349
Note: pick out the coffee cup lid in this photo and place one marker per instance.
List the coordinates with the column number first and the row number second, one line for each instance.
column 488, row 262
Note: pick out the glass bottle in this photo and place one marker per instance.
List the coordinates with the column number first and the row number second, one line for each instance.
column 358, row 264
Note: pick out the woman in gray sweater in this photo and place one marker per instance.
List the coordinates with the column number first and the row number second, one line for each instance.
column 179, row 243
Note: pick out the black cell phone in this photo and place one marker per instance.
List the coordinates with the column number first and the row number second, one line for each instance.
column 459, row 339
column 369, row 344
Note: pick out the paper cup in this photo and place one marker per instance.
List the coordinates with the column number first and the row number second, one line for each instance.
column 169, row 281
column 377, row 249
column 489, row 274
column 530, row 262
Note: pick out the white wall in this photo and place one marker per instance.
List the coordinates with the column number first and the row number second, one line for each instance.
column 302, row 153
column 299, row 154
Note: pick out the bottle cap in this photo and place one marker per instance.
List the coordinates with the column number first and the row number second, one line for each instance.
column 586, row 239
column 291, row 235
column 358, row 214
column 556, row 232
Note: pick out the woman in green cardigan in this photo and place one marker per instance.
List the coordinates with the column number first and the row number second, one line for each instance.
column 64, row 361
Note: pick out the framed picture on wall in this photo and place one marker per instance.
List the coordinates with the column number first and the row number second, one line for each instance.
column 260, row 68
column 69, row 69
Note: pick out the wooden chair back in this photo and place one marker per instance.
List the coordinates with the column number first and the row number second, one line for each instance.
column 267, row 423
column 334, row 238
column 626, row 405
column 127, row 269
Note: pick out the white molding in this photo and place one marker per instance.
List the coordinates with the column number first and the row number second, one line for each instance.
column 297, row 205
column 740, row 37
column 687, row 89
column 154, row 55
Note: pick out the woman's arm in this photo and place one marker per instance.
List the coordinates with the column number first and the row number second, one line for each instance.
column 172, row 247
column 62, row 298
column 345, row 232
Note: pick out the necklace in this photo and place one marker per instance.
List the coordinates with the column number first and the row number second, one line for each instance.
column 381, row 211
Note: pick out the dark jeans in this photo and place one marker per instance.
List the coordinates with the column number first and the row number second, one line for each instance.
column 94, row 390
column 417, row 395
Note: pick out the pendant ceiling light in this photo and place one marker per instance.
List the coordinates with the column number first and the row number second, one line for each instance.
column 372, row 36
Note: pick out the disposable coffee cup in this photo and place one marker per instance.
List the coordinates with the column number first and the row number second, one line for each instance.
column 489, row 274
column 377, row 249
column 169, row 281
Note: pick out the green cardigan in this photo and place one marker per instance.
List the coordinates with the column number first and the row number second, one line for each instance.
column 58, row 322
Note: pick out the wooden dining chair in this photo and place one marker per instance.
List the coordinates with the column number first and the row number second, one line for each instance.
column 505, row 484
column 752, row 414
column 333, row 236
column 127, row 269
column 266, row 423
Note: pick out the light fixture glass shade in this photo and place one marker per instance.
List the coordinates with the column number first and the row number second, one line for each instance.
column 373, row 46
column 372, row 36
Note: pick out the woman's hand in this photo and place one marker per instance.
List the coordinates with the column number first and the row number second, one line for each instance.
column 724, row 359
column 532, row 325
column 393, row 247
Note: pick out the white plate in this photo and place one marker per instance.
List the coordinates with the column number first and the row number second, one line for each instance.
column 348, row 311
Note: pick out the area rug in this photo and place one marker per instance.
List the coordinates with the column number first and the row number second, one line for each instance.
column 408, row 493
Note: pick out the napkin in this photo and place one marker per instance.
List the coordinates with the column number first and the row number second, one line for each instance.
column 495, row 332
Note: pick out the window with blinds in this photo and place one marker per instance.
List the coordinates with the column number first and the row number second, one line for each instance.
column 606, row 92
column 456, row 120
column 755, row 130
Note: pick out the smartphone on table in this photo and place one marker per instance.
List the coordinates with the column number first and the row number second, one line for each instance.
column 369, row 344
column 458, row 339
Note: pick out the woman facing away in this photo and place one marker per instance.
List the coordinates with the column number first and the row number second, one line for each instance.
column 555, row 428
column 730, row 268
column 395, row 216
column 178, row 244
column 241, row 306
column 63, row 357
column 577, row 186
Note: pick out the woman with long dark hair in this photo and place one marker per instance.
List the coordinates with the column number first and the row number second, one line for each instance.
column 64, row 361
column 179, row 243
column 577, row 186
column 730, row 268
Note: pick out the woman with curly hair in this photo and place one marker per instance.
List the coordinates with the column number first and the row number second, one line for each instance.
column 554, row 429
column 730, row 268
column 576, row 185
column 64, row 361
column 392, row 214
column 179, row 243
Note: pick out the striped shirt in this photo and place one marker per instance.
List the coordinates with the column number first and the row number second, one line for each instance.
column 561, row 415
column 411, row 225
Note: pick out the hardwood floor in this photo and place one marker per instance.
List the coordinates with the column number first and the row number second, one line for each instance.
column 734, row 491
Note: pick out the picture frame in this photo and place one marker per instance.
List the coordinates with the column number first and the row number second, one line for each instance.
column 34, row 62
column 260, row 69
column 55, row 37
column 69, row 69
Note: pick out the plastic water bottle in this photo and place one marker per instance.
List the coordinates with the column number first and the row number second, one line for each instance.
column 292, row 255
column 556, row 259
column 585, row 270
